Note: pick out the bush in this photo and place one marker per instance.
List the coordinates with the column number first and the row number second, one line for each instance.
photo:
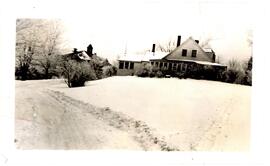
column 238, row 73
column 77, row 73
column 181, row 75
column 159, row 74
column 28, row 73
column 144, row 70
column 109, row 71
column 209, row 73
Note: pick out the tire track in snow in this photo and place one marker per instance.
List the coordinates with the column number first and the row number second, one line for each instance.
column 140, row 131
column 215, row 128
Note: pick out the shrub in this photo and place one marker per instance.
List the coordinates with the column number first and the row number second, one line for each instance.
column 28, row 73
column 97, row 68
column 235, row 73
column 109, row 71
column 159, row 74
column 248, row 73
column 77, row 73
column 209, row 73
column 144, row 70
column 181, row 74
column 195, row 72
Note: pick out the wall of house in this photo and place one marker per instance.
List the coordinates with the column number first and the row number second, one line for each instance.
column 125, row 72
column 189, row 45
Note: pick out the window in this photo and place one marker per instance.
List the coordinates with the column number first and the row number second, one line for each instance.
column 152, row 63
column 121, row 65
column 156, row 63
column 193, row 53
column 160, row 65
column 179, row 67
column 174, row 66
column 170, row 66
column 165, row 64
column 184, row 52
column 185, row 67
column 131, row 66
column 126, row 65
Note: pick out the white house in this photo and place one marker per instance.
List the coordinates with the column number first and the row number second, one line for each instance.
column 184, row 57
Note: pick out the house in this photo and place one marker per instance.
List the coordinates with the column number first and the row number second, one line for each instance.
column 186, row 56
column 80, row 55
column 100, row 65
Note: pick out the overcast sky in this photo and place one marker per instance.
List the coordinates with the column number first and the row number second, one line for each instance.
column 111, row 26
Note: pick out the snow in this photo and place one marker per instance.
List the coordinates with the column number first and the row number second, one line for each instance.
column 144, row 57
column 209, row 63
column 187, row 114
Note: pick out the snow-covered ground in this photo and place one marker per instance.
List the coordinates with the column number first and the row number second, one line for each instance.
column 184, row 114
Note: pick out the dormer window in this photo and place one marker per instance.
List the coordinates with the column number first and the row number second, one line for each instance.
column 194, row 53
column 184, row 52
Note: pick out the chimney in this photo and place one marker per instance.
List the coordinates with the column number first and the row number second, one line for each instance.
column 90, row 50
column 154, row 48
column 178, row 41
column 197, row 41
column 75, row 50
column 214, row 57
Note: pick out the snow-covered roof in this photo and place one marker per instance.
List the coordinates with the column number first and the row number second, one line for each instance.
column 143, row 57
column 157, row 55
column 207, row 49
column 131, row 57
column 200, row 62
column 84, row 56
column 209, row 63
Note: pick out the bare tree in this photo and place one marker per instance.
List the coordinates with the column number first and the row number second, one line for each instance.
column 205, row 43
column 26, row 44
column 37, row 44
column 250, row 38
column 49, row 48
column 168, row 46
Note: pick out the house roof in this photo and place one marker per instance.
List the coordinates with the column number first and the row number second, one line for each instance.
column 198, row 62
column 190, row 39
column 83, row 56
column 143, row 57
column 79, row 54
column 131, row 57
column 209, row 63
column 207, row 50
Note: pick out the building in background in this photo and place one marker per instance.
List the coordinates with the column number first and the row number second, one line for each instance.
column 186, row 56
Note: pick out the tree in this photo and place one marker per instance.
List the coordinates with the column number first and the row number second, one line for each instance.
column 250, row 38
column 77, row 73
column 168, row 46
column 206, row 42
column 50, row 48
column 25, row 47
column 38, row 42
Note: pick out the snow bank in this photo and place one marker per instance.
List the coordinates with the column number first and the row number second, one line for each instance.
column 191, row 114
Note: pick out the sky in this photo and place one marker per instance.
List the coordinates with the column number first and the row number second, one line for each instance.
column 115, row 26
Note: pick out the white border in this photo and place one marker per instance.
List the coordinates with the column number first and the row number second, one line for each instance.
column 258, row 154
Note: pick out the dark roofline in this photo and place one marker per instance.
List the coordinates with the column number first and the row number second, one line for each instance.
column 72, row 53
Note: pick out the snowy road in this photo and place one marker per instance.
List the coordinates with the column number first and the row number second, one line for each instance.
column 47, row 119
